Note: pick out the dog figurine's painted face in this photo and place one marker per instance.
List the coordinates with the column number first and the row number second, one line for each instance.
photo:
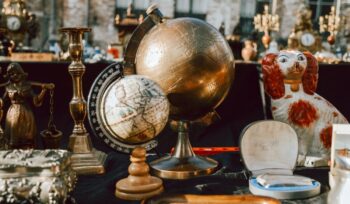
column 289, row 67
column 292, row 64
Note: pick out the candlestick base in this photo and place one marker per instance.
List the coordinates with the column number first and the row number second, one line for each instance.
column 85, row 159
column 89, row 163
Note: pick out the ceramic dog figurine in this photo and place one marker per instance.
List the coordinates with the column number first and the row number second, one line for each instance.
column 290, row 79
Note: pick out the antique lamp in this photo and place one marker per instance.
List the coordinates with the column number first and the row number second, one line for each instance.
column 266, row 22
column 330, row 23
column 85, row 159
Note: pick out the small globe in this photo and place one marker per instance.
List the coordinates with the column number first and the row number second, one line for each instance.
column 192, row 63
column 135, row 109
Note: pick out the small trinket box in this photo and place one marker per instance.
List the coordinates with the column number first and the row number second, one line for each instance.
column 35, row 176
column 269, row 150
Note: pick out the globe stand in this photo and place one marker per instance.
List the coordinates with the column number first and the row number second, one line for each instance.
column 184, row 163
column 139, row 185
column 85, row 159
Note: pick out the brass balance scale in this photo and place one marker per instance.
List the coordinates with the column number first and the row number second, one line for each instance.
column 15, row 124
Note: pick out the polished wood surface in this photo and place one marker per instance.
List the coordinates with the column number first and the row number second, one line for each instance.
column 211, row 199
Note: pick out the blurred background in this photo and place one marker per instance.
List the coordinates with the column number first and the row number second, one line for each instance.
column 234, row 18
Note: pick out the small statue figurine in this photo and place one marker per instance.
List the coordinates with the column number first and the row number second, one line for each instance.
column 20, row 126
column 290, row 78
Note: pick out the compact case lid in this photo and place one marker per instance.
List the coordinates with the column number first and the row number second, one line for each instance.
column 269, row 150
column 269, row 146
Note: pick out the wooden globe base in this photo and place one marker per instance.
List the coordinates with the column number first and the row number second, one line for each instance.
column 128, row 191
column 139, row 184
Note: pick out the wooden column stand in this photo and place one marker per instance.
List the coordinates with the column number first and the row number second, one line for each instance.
column 85, row 159
column 139, row 184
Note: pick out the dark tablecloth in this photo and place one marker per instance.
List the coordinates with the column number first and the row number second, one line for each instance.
column 231, row 178
column 242, row 106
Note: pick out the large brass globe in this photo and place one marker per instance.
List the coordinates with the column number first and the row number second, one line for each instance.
column 192, row 63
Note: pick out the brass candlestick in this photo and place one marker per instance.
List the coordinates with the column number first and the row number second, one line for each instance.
column 85, row 159
column 330, row 23
column 266, row 22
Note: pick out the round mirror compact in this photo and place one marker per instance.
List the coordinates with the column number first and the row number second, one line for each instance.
column 126, row 111
column 269, row 151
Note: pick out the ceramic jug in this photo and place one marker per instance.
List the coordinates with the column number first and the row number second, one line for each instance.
column 249, row 51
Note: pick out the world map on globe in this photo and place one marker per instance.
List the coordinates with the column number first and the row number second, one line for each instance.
column 135, row 109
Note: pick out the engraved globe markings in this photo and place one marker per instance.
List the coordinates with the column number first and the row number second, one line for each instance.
column 135, row 109
column 192, row 63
